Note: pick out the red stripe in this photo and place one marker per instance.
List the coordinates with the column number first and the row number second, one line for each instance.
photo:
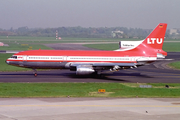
column 74, row 61
column 134, row 52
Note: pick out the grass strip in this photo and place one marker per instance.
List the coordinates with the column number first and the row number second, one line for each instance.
column 168, row 47
column 87, row 90
column 175, row 65
column 23, row 47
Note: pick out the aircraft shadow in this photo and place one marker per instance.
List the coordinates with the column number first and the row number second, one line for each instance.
column 96, row 77
column 109, row 77
column 135, row 74
column 71, row 76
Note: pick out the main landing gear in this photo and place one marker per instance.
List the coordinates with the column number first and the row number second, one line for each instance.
column 35, row 72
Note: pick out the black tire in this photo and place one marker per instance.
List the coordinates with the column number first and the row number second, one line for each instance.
column 35, row 74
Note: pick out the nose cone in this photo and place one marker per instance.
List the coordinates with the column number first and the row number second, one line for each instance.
column 7, row 61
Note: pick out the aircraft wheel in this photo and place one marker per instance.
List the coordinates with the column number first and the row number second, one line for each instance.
column 35, row 75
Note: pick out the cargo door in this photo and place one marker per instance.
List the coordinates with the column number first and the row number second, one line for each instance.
column 25, row 58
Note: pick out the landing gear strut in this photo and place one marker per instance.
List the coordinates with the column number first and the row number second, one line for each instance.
column 35, row 72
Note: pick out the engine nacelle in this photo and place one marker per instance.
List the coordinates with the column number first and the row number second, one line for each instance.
column 160, row 56
column 81, row 70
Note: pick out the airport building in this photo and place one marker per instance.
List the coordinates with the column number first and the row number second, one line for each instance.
column 1, row 44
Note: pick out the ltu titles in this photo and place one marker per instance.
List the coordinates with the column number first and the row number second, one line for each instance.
column 154, row 40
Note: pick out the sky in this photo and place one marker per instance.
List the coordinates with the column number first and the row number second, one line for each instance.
column 146, row 14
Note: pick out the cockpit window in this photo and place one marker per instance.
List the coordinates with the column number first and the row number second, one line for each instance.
column 15, row 57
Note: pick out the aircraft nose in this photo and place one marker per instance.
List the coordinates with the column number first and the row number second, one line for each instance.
column 7, row 61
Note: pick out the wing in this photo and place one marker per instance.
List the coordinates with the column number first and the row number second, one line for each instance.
column 102, row 66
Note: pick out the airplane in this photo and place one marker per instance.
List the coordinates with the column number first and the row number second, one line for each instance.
column 87, row 62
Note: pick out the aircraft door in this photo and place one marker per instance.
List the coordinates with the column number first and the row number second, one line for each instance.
column 133, row 59
column 24, row 58
column 64, row 58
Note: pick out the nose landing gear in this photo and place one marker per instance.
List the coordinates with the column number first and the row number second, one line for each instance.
column 35, row 72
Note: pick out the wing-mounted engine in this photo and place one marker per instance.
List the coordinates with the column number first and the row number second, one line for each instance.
column 84, row 70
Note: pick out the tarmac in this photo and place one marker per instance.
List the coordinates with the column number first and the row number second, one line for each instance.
column 144, row 74
column 89, row 108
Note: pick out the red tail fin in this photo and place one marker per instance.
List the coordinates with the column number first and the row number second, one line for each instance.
column 156, row 37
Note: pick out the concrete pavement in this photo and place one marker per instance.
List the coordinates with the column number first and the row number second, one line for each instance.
column 89, row 108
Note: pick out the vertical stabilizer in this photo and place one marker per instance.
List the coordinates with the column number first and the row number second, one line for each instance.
column 156, row 37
